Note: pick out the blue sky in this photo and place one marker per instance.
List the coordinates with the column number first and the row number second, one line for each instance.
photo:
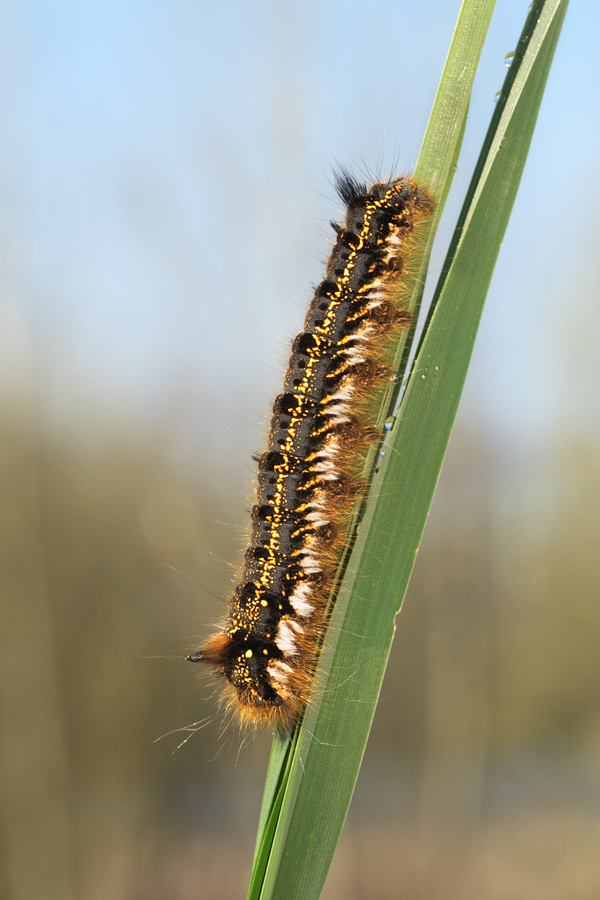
column 166, row 174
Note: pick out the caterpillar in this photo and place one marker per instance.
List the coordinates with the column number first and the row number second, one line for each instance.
column 308, row 477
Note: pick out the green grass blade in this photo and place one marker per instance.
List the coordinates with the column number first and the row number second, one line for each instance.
column 276, row 781
column 330, row 745
column 438, row 157
column 441, row 148
column 538, row 21
column 279, row 764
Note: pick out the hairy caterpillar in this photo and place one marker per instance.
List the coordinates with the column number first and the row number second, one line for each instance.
column 307, row 478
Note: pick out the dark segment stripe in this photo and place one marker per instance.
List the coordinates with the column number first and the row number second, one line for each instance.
column 309, row 364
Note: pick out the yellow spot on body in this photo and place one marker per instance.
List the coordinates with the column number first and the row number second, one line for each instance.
column 266, row 652
column 248, row 654
column 264, row 603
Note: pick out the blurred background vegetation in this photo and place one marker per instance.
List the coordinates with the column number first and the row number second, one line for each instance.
column 160, row 188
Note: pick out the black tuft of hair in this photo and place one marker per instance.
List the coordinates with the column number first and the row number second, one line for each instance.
column 351, row 191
